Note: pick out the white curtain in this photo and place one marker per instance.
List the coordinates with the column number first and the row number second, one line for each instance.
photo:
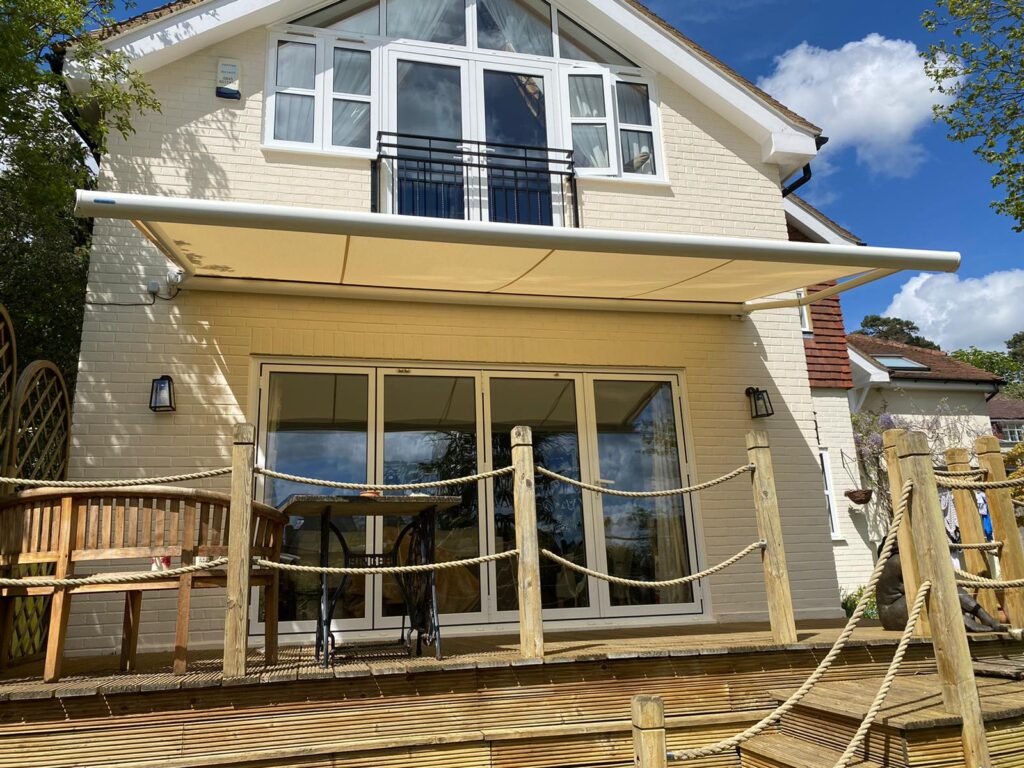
column 671, row 559
column 351, row 71
column 524, row 26
column 435, row 21
column 586, row 96
column 634, row 104
column 637, row 152
column 351, row 124
column 293, row 117
column 590, row 146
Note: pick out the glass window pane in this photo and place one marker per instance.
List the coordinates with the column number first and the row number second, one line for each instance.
column 638, row 451
column 436, row 21
column 514, row 109
column 516, row 26
column 576, row 43
column 634, row 103
column 590, row 146
column 293, row 117
column 296, row 65
column 586, row 96
column 317, row 427
column 351, row 71
column 361, row 17
column 548, row 406
column 351, row 125
column 638, row 152
column 430, row 434
column 429, row 100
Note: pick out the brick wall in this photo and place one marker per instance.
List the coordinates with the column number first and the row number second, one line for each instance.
column 212, row 342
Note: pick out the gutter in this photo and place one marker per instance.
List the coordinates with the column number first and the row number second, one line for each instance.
column 820, row 141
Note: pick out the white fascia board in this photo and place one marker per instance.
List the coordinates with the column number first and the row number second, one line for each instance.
column 866, row 372
column 981, row 387
column 195, row 27
column 812, row 226
column 784, row 143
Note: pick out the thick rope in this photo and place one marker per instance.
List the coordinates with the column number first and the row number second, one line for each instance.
column 888, row 680
column 114, row 578
column 977, row 485
column 965, row 579
column 20, row 481
column 396, row 569
column 990, row 546
column 858, row 613
column 961, row 473
column 757, row 545
column 646, row 494
column 367, row 487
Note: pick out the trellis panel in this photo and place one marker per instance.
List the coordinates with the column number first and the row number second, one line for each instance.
column 8, row 370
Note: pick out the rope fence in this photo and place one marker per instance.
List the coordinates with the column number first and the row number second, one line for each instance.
column 944, row 473
column 979, row 485
column 647, row 494
column 115, row 578
column 374, row 487
column 20, row 481
column 756, row 546
column 965, row 579
column 826, row 663
column 390, row 569
column 890, row 677
column 989, row 546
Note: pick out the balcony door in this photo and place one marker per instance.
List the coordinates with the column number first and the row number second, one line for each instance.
column 472, row 141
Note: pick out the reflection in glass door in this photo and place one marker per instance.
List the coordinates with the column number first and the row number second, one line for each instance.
column 429, row 432
column 550, row 407
column 317, row 426
column 638, row 449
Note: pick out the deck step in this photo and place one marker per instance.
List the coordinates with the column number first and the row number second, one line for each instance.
column 777, row 750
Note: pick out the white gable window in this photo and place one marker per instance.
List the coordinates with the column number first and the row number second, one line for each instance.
column 335, row 81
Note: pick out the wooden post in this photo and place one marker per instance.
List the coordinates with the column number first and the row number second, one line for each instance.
column 971, row 529
column 769, row 528
column 531, row 623
column 905, row 536
column 1004, row 527
column 952, row 651
column 236, row 625
column 649, row 748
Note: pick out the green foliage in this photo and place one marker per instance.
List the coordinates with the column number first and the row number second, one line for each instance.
column 1015, row 345
column 850, row 598
column 895, row 329
column 47, row 134
column 977, row 66
column 999, row 363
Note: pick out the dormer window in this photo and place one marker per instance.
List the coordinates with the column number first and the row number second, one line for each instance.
column 899, row 363
column 335, row 82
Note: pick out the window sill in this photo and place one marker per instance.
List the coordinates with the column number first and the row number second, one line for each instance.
column 339, row 155
column 656, row 182
column 838, row 538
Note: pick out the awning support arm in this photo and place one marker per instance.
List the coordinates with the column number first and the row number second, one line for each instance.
column 856, row 282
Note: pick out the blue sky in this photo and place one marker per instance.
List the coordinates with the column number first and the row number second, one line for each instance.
column 890, row 175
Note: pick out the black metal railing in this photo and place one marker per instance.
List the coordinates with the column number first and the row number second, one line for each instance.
column 475, row 180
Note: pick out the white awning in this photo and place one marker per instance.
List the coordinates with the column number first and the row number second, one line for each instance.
column 274, row 248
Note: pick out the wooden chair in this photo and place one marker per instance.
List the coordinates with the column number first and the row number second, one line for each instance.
column 66, row 527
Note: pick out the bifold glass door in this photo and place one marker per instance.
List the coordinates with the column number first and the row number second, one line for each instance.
column 396, row 426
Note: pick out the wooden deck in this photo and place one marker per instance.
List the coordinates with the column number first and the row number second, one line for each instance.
column 482, row 706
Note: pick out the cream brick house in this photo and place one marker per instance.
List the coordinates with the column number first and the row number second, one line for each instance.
column 388, row 232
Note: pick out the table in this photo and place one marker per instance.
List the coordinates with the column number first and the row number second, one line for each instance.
column 419, row 590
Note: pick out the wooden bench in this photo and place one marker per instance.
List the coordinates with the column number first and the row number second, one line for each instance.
column 67, row 527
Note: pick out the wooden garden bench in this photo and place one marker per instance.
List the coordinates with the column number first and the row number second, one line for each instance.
column 69, row 527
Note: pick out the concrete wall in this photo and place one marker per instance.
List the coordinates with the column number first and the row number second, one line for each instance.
column 212, row 342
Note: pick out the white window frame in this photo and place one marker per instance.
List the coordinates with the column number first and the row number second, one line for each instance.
column 825, row 460
column 323, row 94
column 560, row 121
column 1013, row 432
column 805, row 312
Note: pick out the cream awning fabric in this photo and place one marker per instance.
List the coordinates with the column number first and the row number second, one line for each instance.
column 270, row 248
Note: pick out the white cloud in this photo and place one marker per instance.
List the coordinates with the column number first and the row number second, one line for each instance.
column 871, row 95
column 958, row 313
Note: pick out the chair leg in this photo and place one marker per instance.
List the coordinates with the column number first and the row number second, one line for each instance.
column 182, row 625
column 60, row 610
column 130, row 630
column 6, row 629
column 270, row 617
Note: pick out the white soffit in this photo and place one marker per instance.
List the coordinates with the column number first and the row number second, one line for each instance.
column 784, row 143
column 270, row 246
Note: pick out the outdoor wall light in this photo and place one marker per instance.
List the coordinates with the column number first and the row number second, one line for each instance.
column 161, row 395
column 760, row 403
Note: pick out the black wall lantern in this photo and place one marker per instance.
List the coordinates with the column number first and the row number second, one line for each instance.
column 760, row 403
column 161, row 395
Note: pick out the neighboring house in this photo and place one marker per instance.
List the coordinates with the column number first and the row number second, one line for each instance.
column 343, row 195
column 828, row 369
column 1007, row 414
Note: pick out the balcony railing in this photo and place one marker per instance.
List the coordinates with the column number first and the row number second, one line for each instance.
column 475, row 180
